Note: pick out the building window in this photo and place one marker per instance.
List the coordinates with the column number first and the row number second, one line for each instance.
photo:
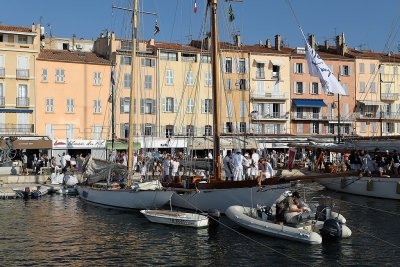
column 299, row 88
column 299, row 128
column 345, row 70
column 97, row 132
column 298, row 68
column 65, row 46
column 205, row 59
column 60, row 76
column 395, row 70
column 362, row 68
column 314, row 88
column 169, row 77
column 188, row 57
column 147, row 106
column 228, row 84
column 169, row 104
column 208, row 79
column 22, row 39
column 242, row 84
column 346, row 88
column 363, row 127
column 229, row 108
column 70, row 131
column 207, row 130
column 148, row 129
column 189, row 78
column 362, row 87
column 372, row 68
column 169, row 56
column 169, row 131
column 148, row 62
column 97, row 106
column 124, row 130
column 44, row 76
column 190, row 106
column 299, row 111
column 70, row 105
column 372, row 88
column 242, row 127
column 206, row 106
column 243, row 109
column 125, row 104
column 275, row 71
column 148, row 81
column 49, row 105
column 229, row 127
column 127, row 80
column 189, row 130
column 315, row 127
column 228, row 65
column 242, row 65
column 125, row 60
column 260, row 74
column 97, row 78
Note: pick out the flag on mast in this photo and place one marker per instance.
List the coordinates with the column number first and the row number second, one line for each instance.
column 319, row 69
column 156, row 28
column 195, row 6
column 231, row 14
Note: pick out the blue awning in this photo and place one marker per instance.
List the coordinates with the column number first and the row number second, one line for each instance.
column 9, row 110
column 309, row 103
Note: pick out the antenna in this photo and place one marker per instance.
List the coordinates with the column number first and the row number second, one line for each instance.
column 360, row 46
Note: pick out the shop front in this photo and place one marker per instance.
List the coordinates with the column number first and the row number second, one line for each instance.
column 75, row 147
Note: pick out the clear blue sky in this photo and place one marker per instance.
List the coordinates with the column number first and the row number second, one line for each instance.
column 369, row 23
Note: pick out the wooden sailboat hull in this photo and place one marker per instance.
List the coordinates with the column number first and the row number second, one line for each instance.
column 221, row 198
column 380, row 187
column 126, row 199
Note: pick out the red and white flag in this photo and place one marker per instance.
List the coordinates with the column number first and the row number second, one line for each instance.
column 195, row 6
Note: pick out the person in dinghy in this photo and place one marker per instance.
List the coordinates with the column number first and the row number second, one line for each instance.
column 288, row 209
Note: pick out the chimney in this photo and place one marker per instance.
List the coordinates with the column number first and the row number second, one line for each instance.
column 311, row 40
column 207, row 43
column 278, row 42
column 237, row 40
column 339, row 42
column 326, row 44
column 268, row 43
column 344, row 49
column 260, row 43
column 151, row 42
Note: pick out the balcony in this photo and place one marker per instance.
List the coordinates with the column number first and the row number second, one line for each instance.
column 2, row 73
column 23, row 74
column 308, row 116
column 270, row 116
column 8, row 128
column 389, row 96
column 260, row 74
column 22, row 102
column 269, row 96
column 2, row 101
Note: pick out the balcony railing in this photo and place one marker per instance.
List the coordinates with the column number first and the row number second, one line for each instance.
column 126, row 45
column 22, row 101
column 379, row 115
column 260, row 74
column 256, row 95
column 2, row 101
column 389, row 96
column 307, row 116
column 8, row 128
column 271, row 116
column 2, row 73
column 22, row 73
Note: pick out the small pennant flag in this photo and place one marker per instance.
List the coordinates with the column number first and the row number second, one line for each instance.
column 113, row 77
column 231, row 14
column 195, row 6
column 156, row 28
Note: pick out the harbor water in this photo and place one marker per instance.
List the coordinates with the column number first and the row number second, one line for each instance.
column 65, row 231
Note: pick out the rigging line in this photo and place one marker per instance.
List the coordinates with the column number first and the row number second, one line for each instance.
column 245, row 236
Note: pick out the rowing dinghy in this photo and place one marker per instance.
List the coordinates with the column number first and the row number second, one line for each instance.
column 176, row 218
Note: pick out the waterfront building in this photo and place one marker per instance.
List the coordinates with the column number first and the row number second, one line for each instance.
column 19, row 48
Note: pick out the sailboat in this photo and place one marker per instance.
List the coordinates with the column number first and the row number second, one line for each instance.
column 124, row 194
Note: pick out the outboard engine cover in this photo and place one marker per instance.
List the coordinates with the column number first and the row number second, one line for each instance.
column 332, row 229
column 323, row 213
column 214, row 215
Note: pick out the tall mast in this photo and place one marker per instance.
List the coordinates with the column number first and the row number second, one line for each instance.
column 215, row 80
column 132, row 95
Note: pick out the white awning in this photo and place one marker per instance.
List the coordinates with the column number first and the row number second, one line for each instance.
column 371, row 103
column 276, row 62
column 260, row 61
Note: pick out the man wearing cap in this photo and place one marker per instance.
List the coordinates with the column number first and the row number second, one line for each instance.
column 246, row 166
column 288, row 209
column 238, row 166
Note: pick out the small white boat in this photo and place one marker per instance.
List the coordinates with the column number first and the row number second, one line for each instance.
column 381, row 187
column 304, row 227
column 176, row 218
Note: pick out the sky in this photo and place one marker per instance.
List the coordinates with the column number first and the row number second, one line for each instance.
column 367, row 24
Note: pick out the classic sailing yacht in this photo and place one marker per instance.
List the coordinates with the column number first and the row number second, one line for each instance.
column 123, row 195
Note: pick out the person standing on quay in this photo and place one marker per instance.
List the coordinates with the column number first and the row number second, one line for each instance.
column 238, row 166
column 228, row 166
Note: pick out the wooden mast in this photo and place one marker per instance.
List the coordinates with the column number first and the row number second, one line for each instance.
column 132, row 94
column 215, row 82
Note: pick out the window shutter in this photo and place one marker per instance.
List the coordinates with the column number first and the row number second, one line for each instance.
column 341, row 70
column 304, row 87
column 246, row 65
column 164, row 104
column 311, row 128
column 294, row 68
column 294, row 87
column 121, row 102
column 134, row 106
column 238, row 84
column 235, row 63
column 247, row 85
column 224, row 64
column 304, row 67
column 320, row 128
column 310, row 90
column 142, row 101
column 282, row 110
column 175, row 105
column 319, row 88
column 154, row 107
column 203, row 106
column 350, row 70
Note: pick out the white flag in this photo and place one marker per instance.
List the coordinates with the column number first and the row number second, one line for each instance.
column 319, row 69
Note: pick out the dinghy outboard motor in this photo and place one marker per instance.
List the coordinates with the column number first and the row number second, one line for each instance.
column 214, row 215
column 27, row 192
column 323, row 213
column 332, row 229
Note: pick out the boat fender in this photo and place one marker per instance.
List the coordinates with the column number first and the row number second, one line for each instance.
column 370, row 185
column 214, row 215
column 331, row 230
column 398, row 188
column 323, row 213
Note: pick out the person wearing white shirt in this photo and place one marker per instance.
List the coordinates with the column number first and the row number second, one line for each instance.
column 238, row 166
column 247, row 166
column 254, row 164
column 266, row 171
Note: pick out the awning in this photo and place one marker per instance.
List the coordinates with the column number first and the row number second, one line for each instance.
column 276, row 62
column 371, row 103
column 309, row 103
column 260, row 61
column 32, row 144
column 9, row 110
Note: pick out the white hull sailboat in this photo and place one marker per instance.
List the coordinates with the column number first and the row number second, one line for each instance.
column 176, row 218
column 380, row 187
